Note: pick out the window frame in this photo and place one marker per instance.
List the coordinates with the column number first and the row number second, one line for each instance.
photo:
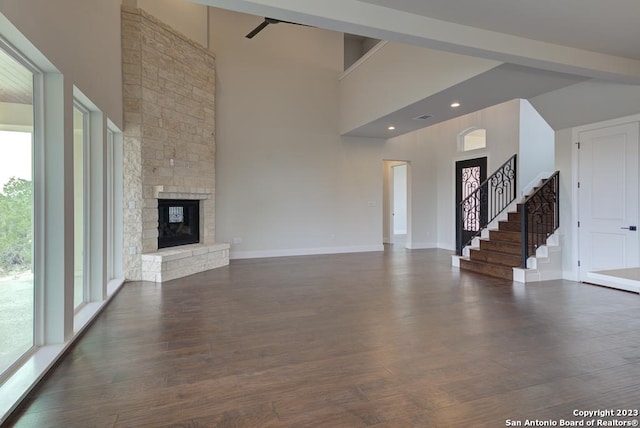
column 114, row 207
column 37, row 179
column 86, row 205
column 464, row 134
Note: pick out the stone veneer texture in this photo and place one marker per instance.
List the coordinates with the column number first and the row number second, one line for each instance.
column 169, row 127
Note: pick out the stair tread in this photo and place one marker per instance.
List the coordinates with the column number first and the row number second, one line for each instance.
column 501, row 246
column 493, row 251
column 509, row 226
column 518, row 244
column 487, row 263
column 489, row 269
column 504, row 236
column 484, row 250
column 495, row 257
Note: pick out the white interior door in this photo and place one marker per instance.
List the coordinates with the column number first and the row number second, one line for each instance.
column 608, row 200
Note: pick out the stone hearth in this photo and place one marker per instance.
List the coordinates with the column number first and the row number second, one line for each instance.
column 177, row 262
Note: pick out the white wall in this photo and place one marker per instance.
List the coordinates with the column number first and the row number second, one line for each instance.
column 86, row 46
column 512, row 127
column 184, row 16
column 587, row 102
column 501, row 123
column 564, row 154
column 536, row 157
column 579, row 104
column 398, row 75
column 353, row 49
column 287, row 183
column 422, row 187
column 433, row 152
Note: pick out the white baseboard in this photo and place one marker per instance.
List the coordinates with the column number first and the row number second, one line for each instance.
column 570, row 275
column 259, row 254
column 449, row 247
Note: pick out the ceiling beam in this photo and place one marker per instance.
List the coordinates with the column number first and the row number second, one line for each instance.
column 383, row 23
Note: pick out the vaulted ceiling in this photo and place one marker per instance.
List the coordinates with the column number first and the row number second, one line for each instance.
column 587, row 44
column 580, row 38
column 592, row 25
column 589, row 38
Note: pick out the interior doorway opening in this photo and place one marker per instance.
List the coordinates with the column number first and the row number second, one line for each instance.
column 396, row 203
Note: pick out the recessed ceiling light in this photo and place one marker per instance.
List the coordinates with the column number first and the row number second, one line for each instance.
column 391, row 128
column 455, row 104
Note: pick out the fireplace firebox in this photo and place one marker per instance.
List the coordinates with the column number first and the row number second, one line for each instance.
column 178, row 222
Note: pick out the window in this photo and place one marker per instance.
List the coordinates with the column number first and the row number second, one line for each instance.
column 114, row 205
column 111, row 268
column 80, row 136
column 41, row 163
column 17, row 291
column 472, row 139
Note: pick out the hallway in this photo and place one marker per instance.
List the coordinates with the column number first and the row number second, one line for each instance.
column 369, row 339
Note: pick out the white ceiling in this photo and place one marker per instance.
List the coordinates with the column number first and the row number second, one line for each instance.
column 545, row 46
column 610, row 27
column 590, row 38
column 500, row 84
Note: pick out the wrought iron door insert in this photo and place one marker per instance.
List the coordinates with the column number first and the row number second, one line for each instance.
column 470, row 174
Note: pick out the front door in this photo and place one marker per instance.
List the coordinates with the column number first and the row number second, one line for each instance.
column 608, row 200
column 469, row 175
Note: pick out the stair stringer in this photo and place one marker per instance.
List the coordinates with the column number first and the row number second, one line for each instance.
column 545, row 265
column 484, row 233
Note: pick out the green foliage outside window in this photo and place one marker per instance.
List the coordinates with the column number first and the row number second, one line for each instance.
column 16, row 226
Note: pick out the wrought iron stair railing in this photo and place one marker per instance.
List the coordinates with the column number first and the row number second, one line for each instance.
column 485, row 203
column 540, row 216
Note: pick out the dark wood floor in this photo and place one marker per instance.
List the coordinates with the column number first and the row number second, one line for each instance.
column 398, row 339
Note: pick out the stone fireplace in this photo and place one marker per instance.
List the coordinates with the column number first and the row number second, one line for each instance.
column 169, row 147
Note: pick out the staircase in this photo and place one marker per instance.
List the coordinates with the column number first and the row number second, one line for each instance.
column 529, row 226
column 499, row 251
